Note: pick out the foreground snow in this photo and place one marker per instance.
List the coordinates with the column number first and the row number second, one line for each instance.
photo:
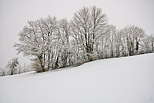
column 119, row 80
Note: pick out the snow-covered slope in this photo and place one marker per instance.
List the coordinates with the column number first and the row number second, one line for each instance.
column 119, row 80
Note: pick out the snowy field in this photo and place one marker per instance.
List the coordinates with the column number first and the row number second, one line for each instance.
column 119, row 80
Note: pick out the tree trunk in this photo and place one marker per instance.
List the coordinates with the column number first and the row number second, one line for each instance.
column 41, row 62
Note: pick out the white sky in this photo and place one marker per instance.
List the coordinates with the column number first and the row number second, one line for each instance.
column 14, row 14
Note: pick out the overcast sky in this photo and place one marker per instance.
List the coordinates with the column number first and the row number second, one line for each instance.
column 14, row 14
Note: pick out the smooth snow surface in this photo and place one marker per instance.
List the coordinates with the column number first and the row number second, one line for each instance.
column 119, row 80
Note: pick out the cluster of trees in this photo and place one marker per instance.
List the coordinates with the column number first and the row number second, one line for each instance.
column 88, row 36
column 14, row 67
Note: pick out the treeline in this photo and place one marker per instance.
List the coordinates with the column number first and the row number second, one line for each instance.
column 88, row 36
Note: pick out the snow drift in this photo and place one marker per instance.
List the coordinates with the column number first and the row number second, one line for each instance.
column 119, row 80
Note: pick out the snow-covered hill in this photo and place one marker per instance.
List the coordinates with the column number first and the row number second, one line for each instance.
column 119, row 80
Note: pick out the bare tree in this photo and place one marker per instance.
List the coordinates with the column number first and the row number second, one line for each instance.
column 36, row 40
column 13, row 66
column 133, row 35
column 148, row 44
column 64, row 28
column 88, row 25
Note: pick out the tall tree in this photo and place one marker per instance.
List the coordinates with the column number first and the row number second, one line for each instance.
column 133, row 35
column 36, row 39
column 89, row 24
